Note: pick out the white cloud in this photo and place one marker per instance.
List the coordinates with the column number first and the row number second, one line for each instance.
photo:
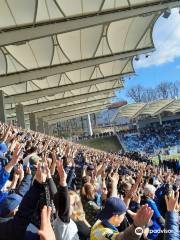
column 166, row 37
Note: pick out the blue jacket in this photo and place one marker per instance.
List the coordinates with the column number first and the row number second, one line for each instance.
column 21, row 190
column 160, row 191
column 172, row 224
column 16, row 228
column 155, row 227
column 4, row 176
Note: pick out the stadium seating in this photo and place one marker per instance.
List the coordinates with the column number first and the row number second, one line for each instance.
column 150, row 139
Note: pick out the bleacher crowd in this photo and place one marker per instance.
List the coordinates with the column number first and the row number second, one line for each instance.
column 151, row 139
column 54, row 189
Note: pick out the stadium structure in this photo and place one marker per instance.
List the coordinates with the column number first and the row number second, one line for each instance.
column 59, row 60
column 147, row 114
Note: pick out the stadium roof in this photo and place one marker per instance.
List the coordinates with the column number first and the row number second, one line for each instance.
column 129, row 110
column 152, row 109
column 174, row 107
column 56, row 48
column 80, row 95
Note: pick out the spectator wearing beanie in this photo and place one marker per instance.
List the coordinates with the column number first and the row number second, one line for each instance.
column 113, row 215
column 9, row 205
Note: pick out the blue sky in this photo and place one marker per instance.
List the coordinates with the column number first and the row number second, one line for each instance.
column 164, row 63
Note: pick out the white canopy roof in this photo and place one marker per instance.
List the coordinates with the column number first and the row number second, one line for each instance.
column 129, row 110
column 173, row 107
column 151, row 109
column 72, row 105
column 50, row 49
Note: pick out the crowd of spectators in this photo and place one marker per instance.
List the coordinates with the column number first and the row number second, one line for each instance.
column 151, row 139
column 54, row 189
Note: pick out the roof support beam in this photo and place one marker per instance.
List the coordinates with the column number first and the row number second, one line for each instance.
column 49, row 104
column 74, row 116
column 73, row 107
column 71, row 116
column 24, row 76
column 70, row 105
column 17, row 98
column 19, row 34
column 79, row 111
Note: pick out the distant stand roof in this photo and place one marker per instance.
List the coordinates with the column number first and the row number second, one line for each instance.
column 151, row 109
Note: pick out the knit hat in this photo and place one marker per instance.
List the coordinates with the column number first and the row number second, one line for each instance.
column 149, row 189
column 113, row 206
column 10, row 204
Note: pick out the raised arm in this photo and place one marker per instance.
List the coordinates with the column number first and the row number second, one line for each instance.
column 140, row 221
column 5, row 173
column 61, row 199
column 172, row 218
column 133, row 190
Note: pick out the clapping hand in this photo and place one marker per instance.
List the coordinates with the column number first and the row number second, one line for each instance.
column 142, row 217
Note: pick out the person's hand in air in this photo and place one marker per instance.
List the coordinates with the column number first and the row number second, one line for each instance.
column 46, row 232
column 15, row 159
column 172, row 202
column 62, row 173
column 20, row 172
column 41, row 174
column 142, row 217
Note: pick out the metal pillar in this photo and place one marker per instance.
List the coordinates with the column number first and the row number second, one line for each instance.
column 89, row 125
column 20, row 115
column 32, row 120
column 2, row 108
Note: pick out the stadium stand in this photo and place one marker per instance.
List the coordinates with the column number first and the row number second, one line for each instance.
column 157, row 126
column 150, row 140
column 79, row 183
